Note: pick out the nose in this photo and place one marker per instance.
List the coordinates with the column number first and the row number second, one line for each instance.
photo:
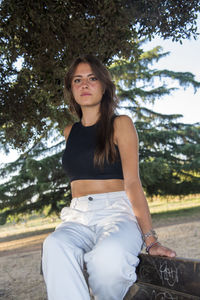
column 84, row 83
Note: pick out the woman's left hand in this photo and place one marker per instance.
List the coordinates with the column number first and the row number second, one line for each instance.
column 158, row 249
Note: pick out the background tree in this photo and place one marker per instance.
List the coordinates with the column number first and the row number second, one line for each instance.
column 46, row 35
column 169, row 150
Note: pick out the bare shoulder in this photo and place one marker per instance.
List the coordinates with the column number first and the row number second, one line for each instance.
column 67, row 130
column 123, row 124
column 124, row 130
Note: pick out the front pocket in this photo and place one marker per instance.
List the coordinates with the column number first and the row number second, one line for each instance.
column 65, row 213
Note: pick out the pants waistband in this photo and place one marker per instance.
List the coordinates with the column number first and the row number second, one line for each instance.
column 100, row 196
column 100, row 205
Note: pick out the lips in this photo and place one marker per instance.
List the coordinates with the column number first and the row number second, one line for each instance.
column 85, row 94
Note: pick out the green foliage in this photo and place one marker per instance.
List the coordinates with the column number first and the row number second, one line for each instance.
column 169, row 150
column 47, row 35
column 40, row 183
column 169, row 157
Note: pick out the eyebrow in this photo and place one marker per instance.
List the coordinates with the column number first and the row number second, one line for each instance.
column 82, row 76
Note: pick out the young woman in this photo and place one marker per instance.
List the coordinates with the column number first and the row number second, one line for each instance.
column 108, row 218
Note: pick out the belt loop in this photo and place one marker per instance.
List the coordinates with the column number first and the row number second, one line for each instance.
column 74, row 202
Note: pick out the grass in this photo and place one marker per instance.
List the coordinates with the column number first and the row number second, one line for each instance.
column 185, row 212
column 30, row 224
column 160, row 205
column 175, row 207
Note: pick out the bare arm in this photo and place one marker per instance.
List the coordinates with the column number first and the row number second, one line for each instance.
column 127, row 140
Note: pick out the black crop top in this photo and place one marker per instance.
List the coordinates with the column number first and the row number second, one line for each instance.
column 78, row 156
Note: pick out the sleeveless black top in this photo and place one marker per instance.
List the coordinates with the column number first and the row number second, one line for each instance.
column 78, row 156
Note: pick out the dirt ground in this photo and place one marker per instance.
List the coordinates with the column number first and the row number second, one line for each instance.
column 20, row 256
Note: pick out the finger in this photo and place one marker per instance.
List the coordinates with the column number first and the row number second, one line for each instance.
column 166, row 252
column 162, row 251
column 170, row 253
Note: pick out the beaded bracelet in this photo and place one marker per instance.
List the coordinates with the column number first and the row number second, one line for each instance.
column 151, row 245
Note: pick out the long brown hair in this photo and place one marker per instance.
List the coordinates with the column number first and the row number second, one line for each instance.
column 105, row 148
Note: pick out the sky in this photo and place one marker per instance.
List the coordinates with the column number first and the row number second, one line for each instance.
column 183, row 57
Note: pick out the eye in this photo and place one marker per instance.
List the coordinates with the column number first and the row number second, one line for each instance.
column 93, row 78
column 77, row 80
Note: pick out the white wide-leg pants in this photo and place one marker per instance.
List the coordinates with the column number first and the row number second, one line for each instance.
column 101, row 231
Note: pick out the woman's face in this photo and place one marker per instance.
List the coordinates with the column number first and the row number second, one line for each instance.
column 86, row 88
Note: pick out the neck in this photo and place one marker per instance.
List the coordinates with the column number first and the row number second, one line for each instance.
column 89, row 118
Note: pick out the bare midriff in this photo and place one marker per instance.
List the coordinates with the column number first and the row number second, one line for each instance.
column 85, row 187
